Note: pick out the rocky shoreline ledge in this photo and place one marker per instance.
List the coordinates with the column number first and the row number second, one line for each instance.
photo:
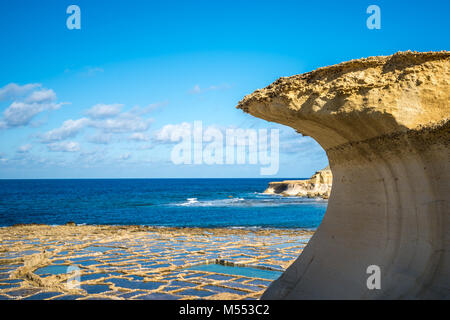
column 319, row 185
column 137, row 262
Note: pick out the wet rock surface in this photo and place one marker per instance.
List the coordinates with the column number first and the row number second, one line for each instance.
column 40, row 262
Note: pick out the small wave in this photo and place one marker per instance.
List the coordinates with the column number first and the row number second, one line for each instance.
column 210, row 203
column 267, row 201
column 190, row 201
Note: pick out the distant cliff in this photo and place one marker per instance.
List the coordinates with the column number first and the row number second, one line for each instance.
column 319, row 185
column 384, row 125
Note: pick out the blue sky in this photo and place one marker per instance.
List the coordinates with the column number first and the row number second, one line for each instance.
column 91, row 103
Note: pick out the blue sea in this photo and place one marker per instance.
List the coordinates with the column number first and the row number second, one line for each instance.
column 155, row 202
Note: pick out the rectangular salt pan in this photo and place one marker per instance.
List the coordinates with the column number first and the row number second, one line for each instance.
column 238, row 271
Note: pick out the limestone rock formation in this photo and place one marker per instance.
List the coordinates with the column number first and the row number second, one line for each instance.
column 383, row 122
column 319, row 185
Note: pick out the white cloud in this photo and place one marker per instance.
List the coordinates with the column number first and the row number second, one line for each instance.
column 69, row 129
column 107, row 119
column 125, row 156
column 137, row 110
column 22, row 111
column 100, row 138
column 64, row 146
column 103, row 111
column 110, row 119
column 146, row 146
column 25, row 148
column 122, row 124
column 12, row 90
column 139, row 136
column 41, row 96
column 172, row 132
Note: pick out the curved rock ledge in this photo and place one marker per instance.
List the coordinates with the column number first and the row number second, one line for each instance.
column 383, row 122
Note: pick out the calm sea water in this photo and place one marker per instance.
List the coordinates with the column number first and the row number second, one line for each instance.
column 157, row 202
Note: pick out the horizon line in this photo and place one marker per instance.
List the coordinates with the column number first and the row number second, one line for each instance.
column 149, row 178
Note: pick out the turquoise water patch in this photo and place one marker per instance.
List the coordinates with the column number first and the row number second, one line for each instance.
column 52, row 269
column 220, row 277
column 268, row 266
column 238, row 271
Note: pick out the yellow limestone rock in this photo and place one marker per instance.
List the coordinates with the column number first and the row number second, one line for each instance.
column 383, row 122
column 319, row 185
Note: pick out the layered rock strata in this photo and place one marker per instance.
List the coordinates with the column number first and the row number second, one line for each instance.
column 319, row 185
column 383, row 122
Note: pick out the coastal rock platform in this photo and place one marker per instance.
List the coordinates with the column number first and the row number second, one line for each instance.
column 319, row 185
column 41, row 262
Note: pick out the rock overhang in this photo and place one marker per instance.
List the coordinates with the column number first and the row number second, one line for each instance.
column 380, row 95
column 383, row 122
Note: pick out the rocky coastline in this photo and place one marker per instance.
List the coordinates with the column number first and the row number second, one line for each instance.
column 319, row 185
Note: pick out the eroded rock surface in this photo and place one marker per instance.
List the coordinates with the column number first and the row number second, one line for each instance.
column 319, row 185
column 383, row 122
